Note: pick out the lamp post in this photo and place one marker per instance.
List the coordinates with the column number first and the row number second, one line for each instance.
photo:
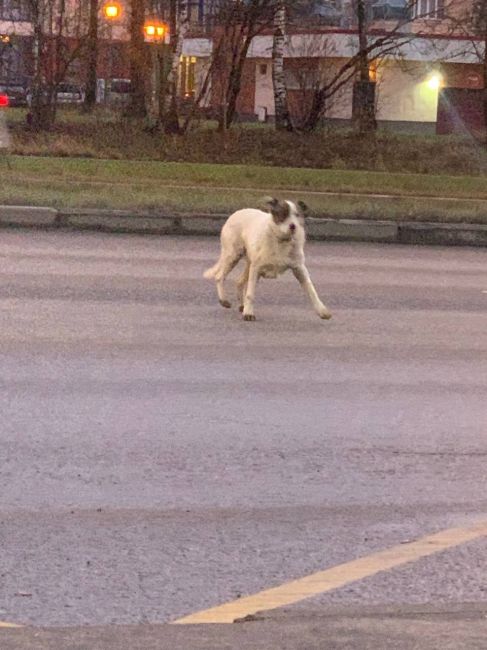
column 156, row 34
column 112, row 11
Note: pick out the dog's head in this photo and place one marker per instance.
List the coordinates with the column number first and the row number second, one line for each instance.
column 287, row 217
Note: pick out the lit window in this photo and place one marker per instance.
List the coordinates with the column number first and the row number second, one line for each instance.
column 188, row 75
column 373, row 72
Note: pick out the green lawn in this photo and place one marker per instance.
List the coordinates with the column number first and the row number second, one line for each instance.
column 197, row 187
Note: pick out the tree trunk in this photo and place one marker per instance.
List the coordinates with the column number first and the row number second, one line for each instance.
column 92, row 57
column 39, row 116
column 363, row 108
column 138, row 62
column 179, row 25
column 283, row 118
column 484, row 69
column 239, row 43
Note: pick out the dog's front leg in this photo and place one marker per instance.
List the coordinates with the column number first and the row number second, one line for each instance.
column 248, row 309
column 242, row 285
column 301, row 273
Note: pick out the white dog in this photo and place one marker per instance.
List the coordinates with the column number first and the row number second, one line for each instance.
column 271, row 243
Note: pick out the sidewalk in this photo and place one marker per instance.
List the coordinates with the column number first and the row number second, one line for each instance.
column 120, row 221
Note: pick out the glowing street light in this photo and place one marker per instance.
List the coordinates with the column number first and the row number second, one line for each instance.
column 156, row 32
column 435, row 81
column 112, row 11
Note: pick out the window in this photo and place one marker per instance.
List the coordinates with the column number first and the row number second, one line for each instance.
column 390, row 10
column 188, row 76
column 14, row 10
column 429, row 9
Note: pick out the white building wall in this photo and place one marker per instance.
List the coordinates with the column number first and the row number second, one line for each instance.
column 264, row 91
column 404, row 93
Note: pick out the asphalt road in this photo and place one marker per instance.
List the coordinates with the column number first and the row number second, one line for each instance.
column 160, row 456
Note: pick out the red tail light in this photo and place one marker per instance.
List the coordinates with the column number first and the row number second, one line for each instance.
column 4, row 100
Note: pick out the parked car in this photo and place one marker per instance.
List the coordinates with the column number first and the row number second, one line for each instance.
column 118, row 91
column 69, row 93
column 16, row 93
column 4, row 100
column 66, row 93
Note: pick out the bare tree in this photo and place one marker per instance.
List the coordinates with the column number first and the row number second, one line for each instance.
column 178, row 28
column 237, row 23
column 372, row 46
column 59, row 39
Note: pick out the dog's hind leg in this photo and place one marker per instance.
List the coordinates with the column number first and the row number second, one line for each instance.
column 242, row 285
column 227, row 263
column 301, row 273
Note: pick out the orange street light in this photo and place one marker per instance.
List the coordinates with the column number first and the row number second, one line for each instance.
column 112, row 10
column 155, row 32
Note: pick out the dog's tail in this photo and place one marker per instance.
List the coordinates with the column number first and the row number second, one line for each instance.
column 211, row 273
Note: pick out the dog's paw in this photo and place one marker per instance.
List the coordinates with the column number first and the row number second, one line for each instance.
column 324, row 314
column 248, row 317
column 225, row 303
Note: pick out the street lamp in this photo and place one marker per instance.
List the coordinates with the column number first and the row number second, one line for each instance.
column 112, row 11
column 156, row 33
column 435, row 81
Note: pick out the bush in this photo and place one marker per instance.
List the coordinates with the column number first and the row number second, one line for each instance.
column 106, row 136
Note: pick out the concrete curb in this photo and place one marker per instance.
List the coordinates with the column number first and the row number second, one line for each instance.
column 359, row 230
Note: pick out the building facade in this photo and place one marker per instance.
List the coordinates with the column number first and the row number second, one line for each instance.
column 433, row 47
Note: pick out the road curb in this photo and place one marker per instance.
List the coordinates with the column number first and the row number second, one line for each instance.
column 24, row 215
column 319, row 229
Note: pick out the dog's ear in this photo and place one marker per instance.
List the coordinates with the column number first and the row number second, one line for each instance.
column 303, row 208
column 270, row 203
column 278, row 209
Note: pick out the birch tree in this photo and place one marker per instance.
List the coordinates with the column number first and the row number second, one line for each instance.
column 178, row 29
column 282, row 115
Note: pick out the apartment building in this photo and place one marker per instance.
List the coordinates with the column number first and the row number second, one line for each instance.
column 434, row 49
column 15, row 39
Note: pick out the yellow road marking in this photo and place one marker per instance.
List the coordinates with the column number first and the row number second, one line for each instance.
column 338, row 576
column 2, row 624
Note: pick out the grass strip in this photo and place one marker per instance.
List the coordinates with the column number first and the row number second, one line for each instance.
column 164, row 187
